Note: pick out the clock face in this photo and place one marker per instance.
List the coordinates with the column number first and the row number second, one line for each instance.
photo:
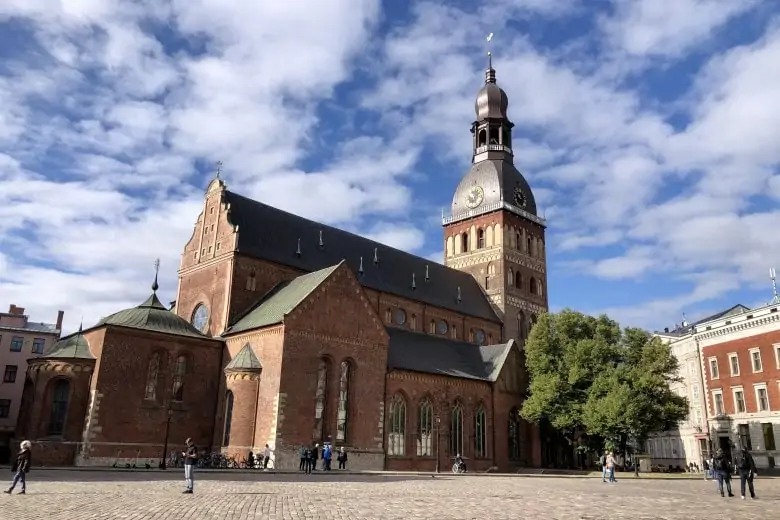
column 520, row 198
column 479, row 336
column 400, row 316
column 442, row 327
column 200, row 318
column 475, row 197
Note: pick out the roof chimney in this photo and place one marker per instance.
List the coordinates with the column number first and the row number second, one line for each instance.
column 666, row 329
column 18, row 311
column 60, row 315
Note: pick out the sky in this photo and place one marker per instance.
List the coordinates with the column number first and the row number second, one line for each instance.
column 648, row 130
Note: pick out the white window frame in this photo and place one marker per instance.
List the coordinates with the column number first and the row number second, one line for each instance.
column 695, row 393
column 734, row 391
column 732, row 356
column 752, row 362
column 776, row 346
column 756, row 388
column 715, row 402
column 713, row 375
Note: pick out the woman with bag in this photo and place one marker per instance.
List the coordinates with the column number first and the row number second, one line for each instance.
column 21, row 467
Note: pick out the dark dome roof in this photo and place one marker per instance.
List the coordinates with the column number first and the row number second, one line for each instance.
column 74, row 346
column 152, row 315
column 498, row 179
column 491, row 102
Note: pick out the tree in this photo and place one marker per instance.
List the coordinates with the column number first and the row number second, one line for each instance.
column 589, row 377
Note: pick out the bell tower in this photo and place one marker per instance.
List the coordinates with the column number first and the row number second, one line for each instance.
column 493, row 231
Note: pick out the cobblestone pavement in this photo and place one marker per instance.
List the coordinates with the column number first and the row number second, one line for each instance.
column 56, row 495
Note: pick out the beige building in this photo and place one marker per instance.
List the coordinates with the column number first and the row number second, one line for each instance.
column 20, row 339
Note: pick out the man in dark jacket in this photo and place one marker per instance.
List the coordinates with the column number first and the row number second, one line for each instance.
column 747, row 470
column 315, row 455
column 722, row 467
column 21, row 467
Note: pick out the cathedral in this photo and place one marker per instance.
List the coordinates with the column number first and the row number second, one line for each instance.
column 287, row 332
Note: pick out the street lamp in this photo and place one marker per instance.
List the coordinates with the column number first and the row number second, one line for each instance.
column 438, row 421
column 164, row 458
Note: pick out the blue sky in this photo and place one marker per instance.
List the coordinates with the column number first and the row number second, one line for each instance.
column 647, row 128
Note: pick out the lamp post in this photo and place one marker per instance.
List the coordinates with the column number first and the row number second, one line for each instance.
column 438, row 420
column 164, row 459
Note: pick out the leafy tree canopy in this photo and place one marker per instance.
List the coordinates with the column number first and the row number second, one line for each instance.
column 589, row 376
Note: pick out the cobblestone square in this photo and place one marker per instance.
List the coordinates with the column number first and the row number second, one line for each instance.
column 55, row 495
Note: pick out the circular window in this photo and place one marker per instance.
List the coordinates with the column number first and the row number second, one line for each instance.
column 200, row 317
column 400, row 316
column 442, row 327
column 479, row 336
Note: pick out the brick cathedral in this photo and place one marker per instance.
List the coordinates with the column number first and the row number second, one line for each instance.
column 287, row 332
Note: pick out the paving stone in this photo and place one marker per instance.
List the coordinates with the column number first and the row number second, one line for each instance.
column 56, row 495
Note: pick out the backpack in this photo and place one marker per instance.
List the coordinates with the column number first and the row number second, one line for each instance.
column 743, row 462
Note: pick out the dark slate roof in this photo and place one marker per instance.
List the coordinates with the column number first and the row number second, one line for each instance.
column 244, row 360
column 281, row 301
column 275, row 235
column 74, row 346
column 684, row 330
column 152, row 315
column 436, row 355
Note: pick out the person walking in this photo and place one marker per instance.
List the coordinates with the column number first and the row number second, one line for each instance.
column 611, row 467
column 603, row 464
column 190, row 455
column 722, row 467
column 302, row 453
column 342, row 458
column 22, row 466
column 747, row 471
column 307, row 457
column 315, row 454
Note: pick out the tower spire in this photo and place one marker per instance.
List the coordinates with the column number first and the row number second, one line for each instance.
column 155, row 285
column 773, row 277
column 490, row 73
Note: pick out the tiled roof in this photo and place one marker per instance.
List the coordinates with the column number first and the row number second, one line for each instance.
column 74, row 346
column 152, row 315
column 419, row 352
column 280, row 301
column 244, row 360
column 277, row 236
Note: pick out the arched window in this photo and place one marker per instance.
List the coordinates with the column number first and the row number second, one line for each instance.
column 491, row 268
column 389, row 315
column 343, row 415
column 413, row 322
column 532, row 285
column 465, row 241
column 179, row 371
column 150, row 392
column 228, row 418
column 396, row 445
column 521, row 335
column 251, row 282
column 59, row 407
column 514, row 435
column 518, row 280
column 456, row 430
column 482, row 139
column 320, row 400
column 539, row 288
column 432, row 327
column 480, row 238
column 519, row 241
column 425, row 429
column 454, row 331
column 480, row 435
column 510, row 277
column 528, row 245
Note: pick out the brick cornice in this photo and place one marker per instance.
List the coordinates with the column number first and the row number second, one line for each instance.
column 450, row 381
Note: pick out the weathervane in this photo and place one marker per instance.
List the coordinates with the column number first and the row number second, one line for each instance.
column 219, row 168
column 489, row 39
column 773, row 277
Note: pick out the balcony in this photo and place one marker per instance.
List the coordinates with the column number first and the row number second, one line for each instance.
column 492, row 148
column 487, row 208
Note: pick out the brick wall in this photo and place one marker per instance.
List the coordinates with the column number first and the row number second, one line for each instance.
column 245, row 389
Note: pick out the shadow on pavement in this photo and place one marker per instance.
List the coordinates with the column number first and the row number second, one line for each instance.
column 177, row 475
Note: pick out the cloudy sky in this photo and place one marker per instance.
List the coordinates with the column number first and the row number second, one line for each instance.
column 647, row 128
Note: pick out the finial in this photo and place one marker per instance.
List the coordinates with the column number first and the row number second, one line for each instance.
column 775, row 297
column 298, row 251
column 81, row 324
column 459, row 294
column 376, row 255
column 322, row 244
column 490, row 74
column 427, row 276
column 360, row 269
column 414, row 282
column 155, row 285
column 219, row 168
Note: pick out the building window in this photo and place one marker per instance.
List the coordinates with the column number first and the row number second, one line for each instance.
column 179, row 371
column 717, row 397
column 695, row 393
column 532, row 285
column 739, row 401
column 465, row 242
column 518, row 280
column 456, row 430
column 432, row 327
column 425, row 429
column 744, row 436
column 389, row 315
column 5, row 408
column 734, row 364
column 251, row 282
column 769, row 436
column 528, row 245
column 521, row 332
column 442, row 327
column 413, row 322
column 38, row 345
column 510, row 277
column 479, row 336
column 10, row 374
column 396, row 445
column 762, row 398
column 777, row 356
column 343, row 415
column 200, row 316
column 228, row 418
column 480, row 444
column 491, row 270
column 16, row 343
column 714, row 374
column 755, row 357
column 151, row 377
column 514, row 434
column 400, row 317
column 59, row 407
column 454, row 331
column 320, row 400
column 480, row 238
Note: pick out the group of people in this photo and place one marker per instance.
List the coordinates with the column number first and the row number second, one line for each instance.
column 311, row 454
column 723, row 469
column 608, row 462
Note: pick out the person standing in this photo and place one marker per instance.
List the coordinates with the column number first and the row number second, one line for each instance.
column 315, row 455
column 302, row 453
column 722, row 467
column 603, row 464
column 747, row 471
column 327, row 454
column 22, row 466
column 611, row 467
column 342, row 458
column 190, row 455
column 307, row 457
column 266, row 456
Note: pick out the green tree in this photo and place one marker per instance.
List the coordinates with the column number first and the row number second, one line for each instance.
column 589, row 377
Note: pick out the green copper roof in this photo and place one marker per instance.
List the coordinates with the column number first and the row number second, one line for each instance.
column 282, row 301
column 152, row 315
column 74, row 346
column 245, row 360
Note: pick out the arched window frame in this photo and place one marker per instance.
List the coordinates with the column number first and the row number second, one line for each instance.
column 396, row 437
column 342, row 420
column 532, row 285
column 321, row 399
column 528, row 241
column 432, row 327
column 413, row 322
column 229, row 401
column 480, row 433
column 179, row 377
column 425, row 428
column 60, row 402
column 510, row 277
column 456, row 429
column 464, row 237
column 521, row 324
column 480, row 238
column 152, row 377
column 518, row 280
